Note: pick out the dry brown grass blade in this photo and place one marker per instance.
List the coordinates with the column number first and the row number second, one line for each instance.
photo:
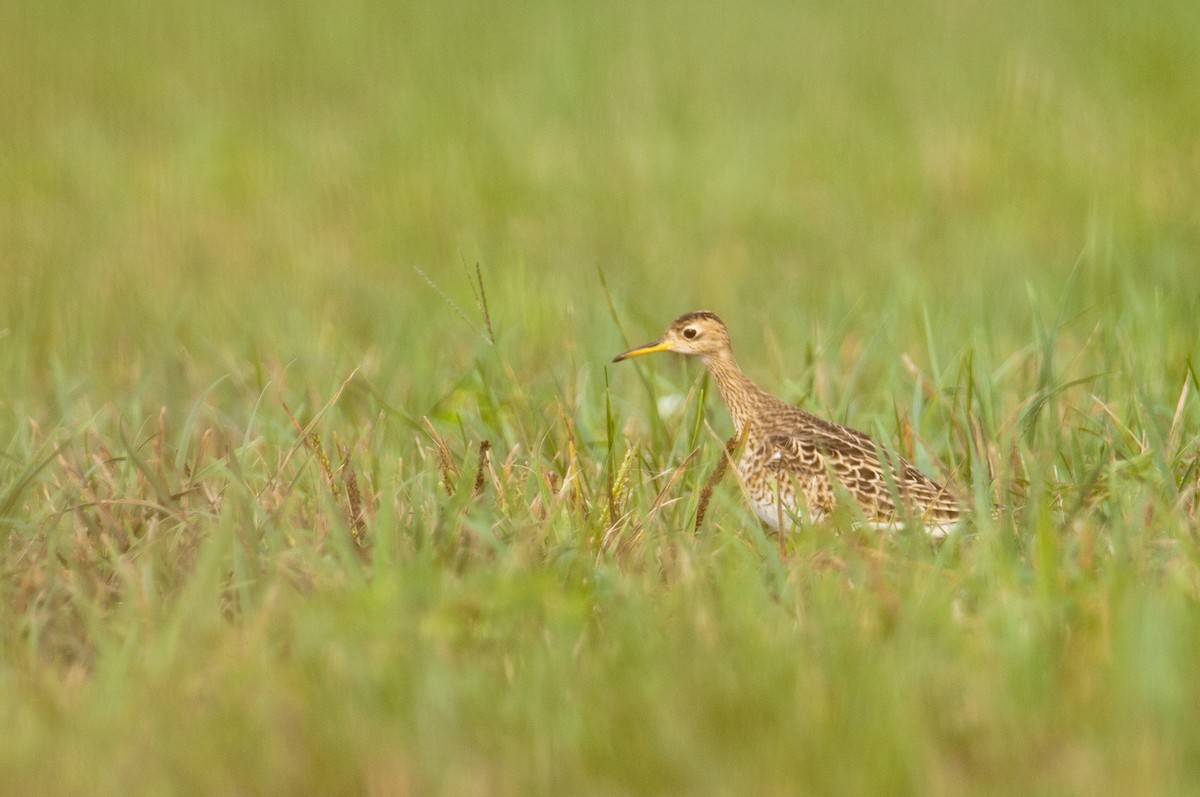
column 314, row 443
column 934, row 397
column 481, row 301
column 160, row 445
column 715, row 477
column 617, row 491
column 445, row 460
column 485, row 457
column 660, row 500
column 987, row 451
column 907, row 444
column 304, row 430
column 1177, row 422
column 143, row 503
column 201, row 452
column 574, row 473
column 358, row 524
column 1140, row 441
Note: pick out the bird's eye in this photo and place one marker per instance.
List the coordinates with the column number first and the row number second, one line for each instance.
column 690, row 333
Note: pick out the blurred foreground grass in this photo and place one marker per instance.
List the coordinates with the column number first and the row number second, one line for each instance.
column 971, row 231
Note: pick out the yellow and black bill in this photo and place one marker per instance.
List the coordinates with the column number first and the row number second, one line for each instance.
column 649, row 348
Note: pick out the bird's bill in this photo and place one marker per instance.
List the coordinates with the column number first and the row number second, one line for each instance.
column 649, row 348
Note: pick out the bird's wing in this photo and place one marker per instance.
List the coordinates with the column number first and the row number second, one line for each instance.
column 794, row 460
column 851, row 459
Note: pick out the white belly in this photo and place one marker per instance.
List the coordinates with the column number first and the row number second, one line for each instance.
column 787, row 519
column 782, row 518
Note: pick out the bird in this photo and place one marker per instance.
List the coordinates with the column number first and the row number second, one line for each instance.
column 797, row 468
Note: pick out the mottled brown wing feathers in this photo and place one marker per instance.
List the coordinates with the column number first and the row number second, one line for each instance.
column 816, row 450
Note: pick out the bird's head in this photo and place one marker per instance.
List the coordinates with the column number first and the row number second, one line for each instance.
column 700, row 334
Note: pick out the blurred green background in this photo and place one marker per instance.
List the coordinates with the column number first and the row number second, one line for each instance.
column 975, row 225
column 188, row 186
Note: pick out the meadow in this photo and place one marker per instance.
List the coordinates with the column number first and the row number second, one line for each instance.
column 316, row 477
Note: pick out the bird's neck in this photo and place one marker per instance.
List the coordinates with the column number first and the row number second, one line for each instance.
column 741, row 395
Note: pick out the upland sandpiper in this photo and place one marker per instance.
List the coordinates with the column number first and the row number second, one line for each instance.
column 795, row 466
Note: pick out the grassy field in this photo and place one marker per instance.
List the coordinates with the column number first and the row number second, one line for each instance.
column 254, row 540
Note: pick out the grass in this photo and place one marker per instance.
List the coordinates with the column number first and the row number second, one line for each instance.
column 276, row 517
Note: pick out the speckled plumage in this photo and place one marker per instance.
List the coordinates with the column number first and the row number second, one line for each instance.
column 796, row 466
